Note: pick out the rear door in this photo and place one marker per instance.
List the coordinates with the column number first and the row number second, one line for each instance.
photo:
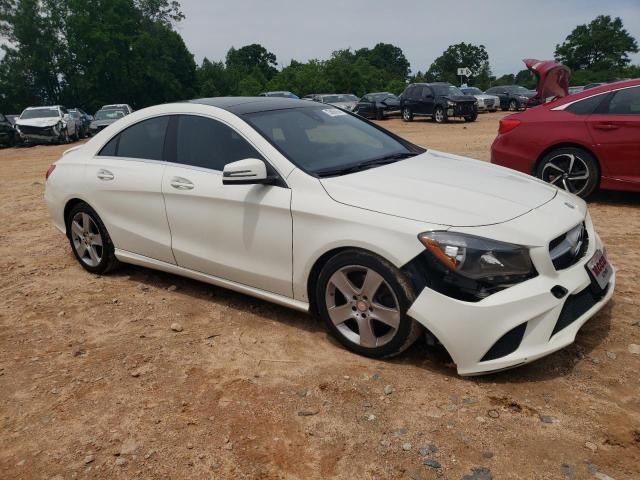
column 615, row 128
column 427, row 101
column 125, row 181
column 241, row 233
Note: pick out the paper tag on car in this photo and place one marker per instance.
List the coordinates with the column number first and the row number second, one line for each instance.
column 333, row 112
column 600, row 269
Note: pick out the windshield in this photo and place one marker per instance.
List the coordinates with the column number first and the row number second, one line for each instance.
column 381, row 96
column 109, row 114
column 321, row 138
column 39, row 113
column 351, row 98
column 472, row 91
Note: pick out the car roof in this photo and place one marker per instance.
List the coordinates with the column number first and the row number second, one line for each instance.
column 242, row 105
column 42, row 108
column 604, row 88
column 431, row 84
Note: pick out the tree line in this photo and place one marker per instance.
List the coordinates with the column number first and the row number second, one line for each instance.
column 88, row 53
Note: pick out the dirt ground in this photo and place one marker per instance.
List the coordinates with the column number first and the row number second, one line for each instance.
column 95, row 384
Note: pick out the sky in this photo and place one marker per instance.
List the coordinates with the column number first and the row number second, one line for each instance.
column 302, row 29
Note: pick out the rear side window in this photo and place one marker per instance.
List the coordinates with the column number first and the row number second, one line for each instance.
column 586, row 106
column 144, row 140
column 625, row 102
column 207, row 143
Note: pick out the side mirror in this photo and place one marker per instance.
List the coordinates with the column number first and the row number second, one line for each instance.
column 251, row 171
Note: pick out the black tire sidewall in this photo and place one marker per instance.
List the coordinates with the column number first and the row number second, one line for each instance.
column 392, row 276
column 594, row 178
column 108, row 255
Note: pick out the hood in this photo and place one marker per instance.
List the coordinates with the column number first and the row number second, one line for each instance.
column 553, row 78
column 485, row 96
column 444, row 189
column 460, row 98
column 390, row 101
column 39, row 122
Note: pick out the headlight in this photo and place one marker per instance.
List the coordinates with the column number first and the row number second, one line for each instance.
column 450, row 103
column 471, row 268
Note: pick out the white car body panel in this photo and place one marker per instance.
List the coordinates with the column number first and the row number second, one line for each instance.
column 448, row 184
column 66, row 120
column 264, row 240
column 247, row 228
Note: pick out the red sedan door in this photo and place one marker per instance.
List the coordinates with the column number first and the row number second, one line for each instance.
column 616, row 133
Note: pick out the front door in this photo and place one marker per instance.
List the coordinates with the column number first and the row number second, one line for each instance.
column 241, row 233
column 615, row 129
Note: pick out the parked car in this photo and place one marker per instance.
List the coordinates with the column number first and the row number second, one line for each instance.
column 575, row 89
column 440, row 101
column 51, row 124
column 337, row 100
column 103, row 118
column 119, row 106
column 486, row 103
column 284, row 94
column 379, row 105
column 8, row 134
column 593, row 85
column 12, row 118
column 390, row 241
column 83, row 122
column 581, row 142
column 512, row 97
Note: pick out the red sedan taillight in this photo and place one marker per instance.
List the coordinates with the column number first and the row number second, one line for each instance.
column 508, row 124
column 50, row 170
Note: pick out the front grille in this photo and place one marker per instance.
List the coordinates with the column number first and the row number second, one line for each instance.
column 465, row 108
column 569, row 247
column 488, row 103
column 575, row 306
column 29, row 130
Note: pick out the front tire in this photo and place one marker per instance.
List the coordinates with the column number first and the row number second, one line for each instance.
column 407, row 114
column 90, row 241
column 471, row 118
column 571, row 169
column 363, row 300
column 513, row 106
column 440, row 116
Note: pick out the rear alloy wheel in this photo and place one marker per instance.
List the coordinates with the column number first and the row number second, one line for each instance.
column 513, row 106
column 440, row 116
column 572, row 169
column 89, row 240
column 363, row 300
column 407, row 114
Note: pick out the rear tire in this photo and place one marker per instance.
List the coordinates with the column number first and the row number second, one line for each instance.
column 407, row 114
column 90, row 241
column 363, row 300
column 572, row 169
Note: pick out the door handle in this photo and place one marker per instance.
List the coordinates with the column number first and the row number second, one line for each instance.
column 606, row 126
column 105, row 175
column 180, row 183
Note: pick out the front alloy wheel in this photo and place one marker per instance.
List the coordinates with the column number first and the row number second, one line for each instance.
column 571, row 169
column 513, row 106
column 439, row 115
column 407, row 115
column 363, row 301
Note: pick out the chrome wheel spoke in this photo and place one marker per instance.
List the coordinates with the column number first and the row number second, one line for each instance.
column 365, row 331
column 567, row 185
column 386, row 315
column 584, row 176
column 572, row 160
column 76, row 229
column 553, row 182
column 93, row 255
column 340, row 314
column 372, row 282
column 86, row 222
column 81, row 249
column 551, row 165
column 96, row 240
column 343, row 284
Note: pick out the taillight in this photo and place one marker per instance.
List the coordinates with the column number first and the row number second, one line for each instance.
column 50, row 170
column 508, row 124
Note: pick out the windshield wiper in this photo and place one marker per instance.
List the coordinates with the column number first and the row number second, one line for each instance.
column 364, row 165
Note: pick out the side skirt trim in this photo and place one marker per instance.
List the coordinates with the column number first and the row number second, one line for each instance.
column 135, row 259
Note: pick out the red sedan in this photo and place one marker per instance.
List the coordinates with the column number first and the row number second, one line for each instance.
column 579, row 142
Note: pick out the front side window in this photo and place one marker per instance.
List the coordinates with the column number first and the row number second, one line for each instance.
column 625, row 102
column 144, row 140
column 321, row 139
column 207, row 143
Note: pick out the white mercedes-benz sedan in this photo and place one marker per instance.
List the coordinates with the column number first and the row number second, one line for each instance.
column 315, row 208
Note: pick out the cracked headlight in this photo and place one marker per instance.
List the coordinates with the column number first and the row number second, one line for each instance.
column 488, row 262
column 450, row 103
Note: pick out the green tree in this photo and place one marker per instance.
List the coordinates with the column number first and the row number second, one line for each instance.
column 445, row 67
column 388, row 58
column 603, row 44
column 213, row 79
column 249, row 57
